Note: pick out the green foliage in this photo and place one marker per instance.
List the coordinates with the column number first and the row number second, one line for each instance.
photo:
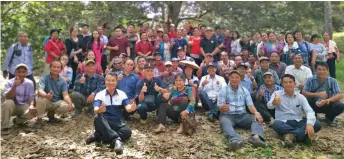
column 267, row 152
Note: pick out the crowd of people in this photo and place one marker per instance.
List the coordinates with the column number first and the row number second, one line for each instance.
column 241, row 81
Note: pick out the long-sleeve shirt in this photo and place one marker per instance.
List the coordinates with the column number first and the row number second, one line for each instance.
column 128, row 84
column 291, row 108
column 212, row 88
column 12, row 58
column 185, row 94
column 92, row 84
column 236, row 98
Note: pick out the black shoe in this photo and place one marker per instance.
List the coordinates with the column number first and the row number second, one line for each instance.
column 91, row 138
column 235, row 145
column 54, row 121
column 118, row 146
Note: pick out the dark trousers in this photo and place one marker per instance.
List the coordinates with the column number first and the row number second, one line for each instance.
column 104, row 62
column 74, row 67
column 332, row 67
column 294, row 127
column 29, row 77
column 331, row 111
column 208, row 104
column 266, row 113
column 107, row 130
column 171, row 111
column 143, row 108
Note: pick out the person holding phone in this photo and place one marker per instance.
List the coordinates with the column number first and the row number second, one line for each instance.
column 289, row 106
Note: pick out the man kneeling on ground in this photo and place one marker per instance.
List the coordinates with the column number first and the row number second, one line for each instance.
column 20, row 94
column 289, row 106
column 108, row 106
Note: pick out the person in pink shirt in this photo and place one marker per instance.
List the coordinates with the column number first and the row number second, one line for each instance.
column 96, row 45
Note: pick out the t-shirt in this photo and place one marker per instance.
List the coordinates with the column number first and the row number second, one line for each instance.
column 122, row 44
column 57, row 87
column 208, row 45
column 195, row 48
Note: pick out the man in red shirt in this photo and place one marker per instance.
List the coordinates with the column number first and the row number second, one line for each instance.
column 144, row 47
column 172, row 34
column 118, row 44
column 158, row 63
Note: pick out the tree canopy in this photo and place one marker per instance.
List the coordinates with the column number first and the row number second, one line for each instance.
column 37, row 18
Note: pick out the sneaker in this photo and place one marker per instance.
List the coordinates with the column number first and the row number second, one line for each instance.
column 6, row 131
column 143, row 121
column 235, row 145
column 289, row 140
column 91, row 138
column 76, row 113
column 256, row 141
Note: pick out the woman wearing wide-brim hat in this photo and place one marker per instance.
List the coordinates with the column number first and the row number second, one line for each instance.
column 190, row 79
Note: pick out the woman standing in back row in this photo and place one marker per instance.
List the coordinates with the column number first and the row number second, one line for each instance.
column 333, row 54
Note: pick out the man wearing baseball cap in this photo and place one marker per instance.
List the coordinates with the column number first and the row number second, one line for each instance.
column 19, row 95
column 263, row 96
column 232, row 102
column 209, row 45
column 209, row 88
column 203, row 70
column 87, row 85
column 147, row 93
column 247, row 80
column 264, row 67
column 167, row 77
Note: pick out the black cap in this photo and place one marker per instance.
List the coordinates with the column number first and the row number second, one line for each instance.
column 180, row 48
column 149, row 65
column 242, row 64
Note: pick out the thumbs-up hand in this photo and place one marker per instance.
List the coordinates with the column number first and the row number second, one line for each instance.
column 49, row 95
column 116, row 48
column 82, row 79
column 205, row 81
column 156, row 87
column 224, row 107
column 102, row 109
column 277, row 100
column 133, row 106
column 17, row 81
column 144, row 88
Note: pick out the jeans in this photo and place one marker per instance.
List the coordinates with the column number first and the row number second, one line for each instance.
column 143, row 108
column 107, row 130
column 331, row 111
column 208, row 104
column 266, row 113
column 294, row 127
column 79, row 101
column 229, row 121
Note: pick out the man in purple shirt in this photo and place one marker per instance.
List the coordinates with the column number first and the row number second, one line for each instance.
column 19, row 93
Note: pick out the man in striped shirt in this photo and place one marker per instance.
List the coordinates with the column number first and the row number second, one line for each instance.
column 232, row 102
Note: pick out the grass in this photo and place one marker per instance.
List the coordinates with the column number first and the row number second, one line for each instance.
column 339, row 39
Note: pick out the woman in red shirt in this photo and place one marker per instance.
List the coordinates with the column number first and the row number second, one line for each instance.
column 144, row 47
column 54, row 47
column 194, row 43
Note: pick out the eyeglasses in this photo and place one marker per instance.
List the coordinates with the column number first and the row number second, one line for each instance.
column 117, row 63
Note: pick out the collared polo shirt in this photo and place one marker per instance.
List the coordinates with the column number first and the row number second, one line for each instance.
column 208, row 45
column 300, row 74
column 213, row 87
column 58, row 86
column 24, row 92
column 128, row 84
column 114, row 103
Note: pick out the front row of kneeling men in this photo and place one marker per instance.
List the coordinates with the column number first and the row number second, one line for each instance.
column 124, row 94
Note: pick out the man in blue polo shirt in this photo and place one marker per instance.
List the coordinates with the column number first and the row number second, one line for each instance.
column 128, row 83
column 108, row 105
column 148, row 91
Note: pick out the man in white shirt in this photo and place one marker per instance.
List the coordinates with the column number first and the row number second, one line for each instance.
column 210, row 87
column 300, row 72
column 289, row 106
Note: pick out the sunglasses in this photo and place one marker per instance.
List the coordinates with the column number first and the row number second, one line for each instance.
column 117, row 63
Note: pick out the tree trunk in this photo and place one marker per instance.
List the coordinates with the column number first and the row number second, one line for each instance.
column 328, row 18
column 173, row 13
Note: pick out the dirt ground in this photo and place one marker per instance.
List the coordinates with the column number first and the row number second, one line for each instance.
column 67, row 140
